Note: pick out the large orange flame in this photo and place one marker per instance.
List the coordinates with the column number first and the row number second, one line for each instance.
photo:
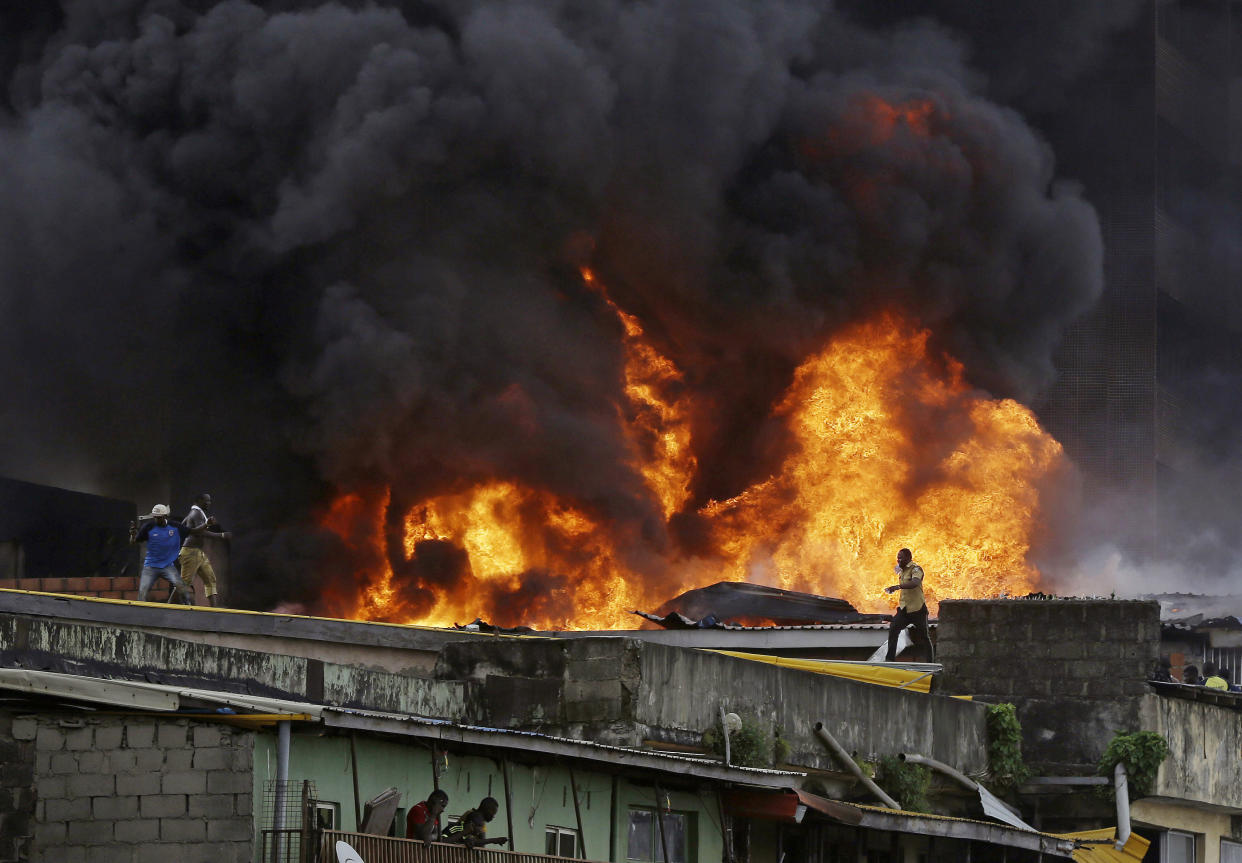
column 891, row 449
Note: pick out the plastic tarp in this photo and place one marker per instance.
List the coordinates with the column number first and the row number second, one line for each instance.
column 901, row 678
column 1106, row 851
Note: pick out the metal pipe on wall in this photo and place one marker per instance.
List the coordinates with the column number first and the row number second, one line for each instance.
column 848, row 763
column 282, row 782
column 573, row 786
column 1121, row 788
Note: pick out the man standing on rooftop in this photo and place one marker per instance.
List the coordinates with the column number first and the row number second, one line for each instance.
column 911, row 606
column 163, row 538
column 193, row 558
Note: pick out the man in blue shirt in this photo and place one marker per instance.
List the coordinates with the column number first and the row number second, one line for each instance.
column 163, row 538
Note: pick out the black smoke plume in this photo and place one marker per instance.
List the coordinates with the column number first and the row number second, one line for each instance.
column 297, row 249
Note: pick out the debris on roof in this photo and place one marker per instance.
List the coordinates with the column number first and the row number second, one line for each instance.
column 752, row 604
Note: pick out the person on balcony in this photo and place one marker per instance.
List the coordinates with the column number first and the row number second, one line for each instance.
column 471, row 830
column 423, row 821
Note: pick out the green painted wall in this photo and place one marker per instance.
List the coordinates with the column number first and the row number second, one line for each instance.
column 541, row 794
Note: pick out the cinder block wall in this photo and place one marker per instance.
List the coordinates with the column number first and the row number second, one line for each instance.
column 1075, row 669
column 126, row 790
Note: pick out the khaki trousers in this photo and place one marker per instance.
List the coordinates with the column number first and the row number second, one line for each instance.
column 194, row 560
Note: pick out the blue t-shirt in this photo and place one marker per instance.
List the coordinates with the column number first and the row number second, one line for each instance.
column 163, row 543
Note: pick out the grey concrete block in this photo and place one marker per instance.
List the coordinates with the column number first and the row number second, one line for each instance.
column 116, row 808
column 233, row 830
column 138, row 783
column 110, row 854
column 173, row 735
column 228, row 782
column 91, row 762
column 43, row 762
column 50, row 786
column 121, row 761
column 90, row 785
column 138, row 831
column 211, row 806
column 64, row 854
column 213, row 759
column 244, row 804
column 148, row 760
column 184, row 782
column 67, row 810
column 178, row 759
column 162, row 805
column 80, row 738
column 109, row 737
column 182, row 829
column 25, row 728
column 139, row 735
column 49, row 739
column 50, row 833
column 64, row 763
column 205, row 735
column 90, row 832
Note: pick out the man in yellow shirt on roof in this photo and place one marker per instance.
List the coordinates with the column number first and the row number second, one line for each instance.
column 911, row 607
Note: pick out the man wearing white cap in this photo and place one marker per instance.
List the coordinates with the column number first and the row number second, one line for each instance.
column 163, row 539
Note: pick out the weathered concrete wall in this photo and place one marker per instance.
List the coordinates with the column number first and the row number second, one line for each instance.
column 623, row 691
column 1204, row 745
column 685, row 689
column 126, row 790
column 1075, row 669
column 17, row 796
column 71, row 646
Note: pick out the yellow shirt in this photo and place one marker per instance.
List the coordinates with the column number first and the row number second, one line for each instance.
column 911, row 599
column 1215, row 682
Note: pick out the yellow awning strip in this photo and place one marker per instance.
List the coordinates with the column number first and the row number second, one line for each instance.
column 901, row 678
column 1105, row 852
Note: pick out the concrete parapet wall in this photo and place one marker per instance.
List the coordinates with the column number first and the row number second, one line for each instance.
column 621, row 690
column 1203, row 766
column 685, row 689
column 126, row 790
column 82, row 648
column 1075, row 669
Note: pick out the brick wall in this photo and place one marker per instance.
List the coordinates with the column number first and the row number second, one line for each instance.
column 129, row 790
column 1075, row 669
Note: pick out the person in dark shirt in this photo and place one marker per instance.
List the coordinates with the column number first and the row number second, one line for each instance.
column 423, row 821
column 163, row 538
column 471, row 830
column 193, row 557
column 1190, row 676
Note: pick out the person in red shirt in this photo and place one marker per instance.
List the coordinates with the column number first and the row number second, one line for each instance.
column 423, row 821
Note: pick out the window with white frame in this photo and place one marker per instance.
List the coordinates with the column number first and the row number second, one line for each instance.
column 645, row 842
column 1230, row 852
column 1177, row 847
column 327, row 815
column 560, row 841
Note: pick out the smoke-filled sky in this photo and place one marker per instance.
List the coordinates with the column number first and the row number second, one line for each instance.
column 288, row 250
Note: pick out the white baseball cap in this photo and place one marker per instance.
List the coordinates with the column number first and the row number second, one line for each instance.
column 160, row 510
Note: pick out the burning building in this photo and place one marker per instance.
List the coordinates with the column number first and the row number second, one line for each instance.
column 539, row 313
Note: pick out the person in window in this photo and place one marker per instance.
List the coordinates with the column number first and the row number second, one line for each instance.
column 423, row 821
column 1190, row 676
column 911, row 607
column 471, row 830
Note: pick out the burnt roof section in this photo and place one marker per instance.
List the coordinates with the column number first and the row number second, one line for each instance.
column 712, row 606
column 1193, row 611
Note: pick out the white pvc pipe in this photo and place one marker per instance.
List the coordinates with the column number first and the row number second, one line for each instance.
column 1122, row 791
column 282, row 780
column 848, row 763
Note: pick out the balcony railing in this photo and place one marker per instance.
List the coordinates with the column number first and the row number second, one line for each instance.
column 385, row 849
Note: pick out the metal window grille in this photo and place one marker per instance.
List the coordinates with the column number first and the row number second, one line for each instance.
column 287, row 830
